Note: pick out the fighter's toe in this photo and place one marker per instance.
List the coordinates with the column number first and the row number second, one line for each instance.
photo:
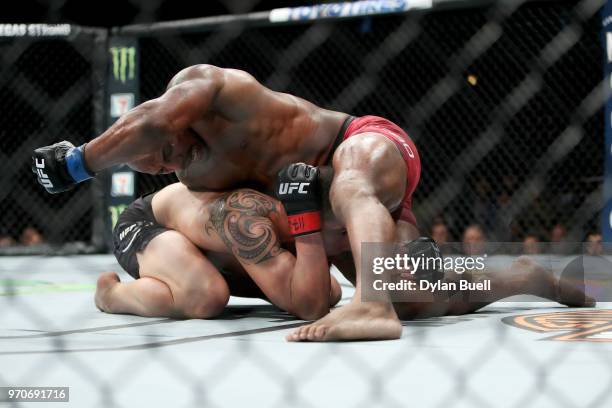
column 304, row 332
column 320, row 332
column 312, row 332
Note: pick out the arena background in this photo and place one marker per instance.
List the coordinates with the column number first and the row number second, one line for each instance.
column 508, row 102
column 499, row 99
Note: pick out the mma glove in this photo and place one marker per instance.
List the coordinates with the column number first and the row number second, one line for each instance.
column 432, row 266
column 298, row 188
column 60, row 167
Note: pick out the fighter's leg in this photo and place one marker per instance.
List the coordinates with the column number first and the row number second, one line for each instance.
column 369, row 173
column 523, row 277
column 176, row 280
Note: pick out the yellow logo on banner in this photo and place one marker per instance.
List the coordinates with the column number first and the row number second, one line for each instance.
column 115, row 212
column 124, row 63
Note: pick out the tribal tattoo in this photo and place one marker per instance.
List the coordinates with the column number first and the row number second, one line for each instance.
column 242, row 220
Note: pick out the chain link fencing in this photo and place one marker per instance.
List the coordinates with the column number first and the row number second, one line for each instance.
column 50, row 90
column 485, row 93
column 505, row 103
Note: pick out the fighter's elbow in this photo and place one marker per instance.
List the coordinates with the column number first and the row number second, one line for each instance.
column 147, row 115
column 153, row 119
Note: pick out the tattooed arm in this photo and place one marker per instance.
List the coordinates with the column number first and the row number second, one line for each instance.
column 248, row 223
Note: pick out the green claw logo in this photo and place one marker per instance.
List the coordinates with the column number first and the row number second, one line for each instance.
column 115, row 212
column 124, row 63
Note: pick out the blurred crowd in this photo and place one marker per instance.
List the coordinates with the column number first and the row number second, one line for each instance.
column 473, row 240
column 535, row 222
column 29, row 236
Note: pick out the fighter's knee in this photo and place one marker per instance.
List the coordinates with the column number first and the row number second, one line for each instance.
column 206, row 300
column 205, row 305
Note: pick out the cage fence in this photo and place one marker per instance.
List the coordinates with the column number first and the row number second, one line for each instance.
column 485, row 94
column 504, row 99
column 493, row 96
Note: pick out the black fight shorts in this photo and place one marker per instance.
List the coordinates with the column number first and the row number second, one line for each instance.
column 135, row 228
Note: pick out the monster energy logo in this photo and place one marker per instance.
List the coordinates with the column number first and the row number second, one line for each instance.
column 115, row 212
column 124, row 63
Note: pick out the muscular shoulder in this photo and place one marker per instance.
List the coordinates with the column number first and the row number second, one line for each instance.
column 177, row 202
column 200, row 71
column 239, row 92
column 211, row 72
column 373, row 162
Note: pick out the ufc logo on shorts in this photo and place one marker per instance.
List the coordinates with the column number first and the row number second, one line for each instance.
column 126, row 231
column 42, row 176
column 289, row 188
column 409, row 150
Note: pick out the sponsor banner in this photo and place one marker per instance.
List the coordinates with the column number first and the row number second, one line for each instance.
column 121, row 103
column 122, row 95
column 35, row 30
column 123, row 61
column 346, row 9
column 122, row 184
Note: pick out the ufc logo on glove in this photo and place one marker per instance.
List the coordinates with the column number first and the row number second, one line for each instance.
column 44, row 179
column 289, row 188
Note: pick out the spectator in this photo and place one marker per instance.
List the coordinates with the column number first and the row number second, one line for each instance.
column 558, row 233
column 558, row 244
column 6, row 240
column 474, row 240
column 483, row 205
column 531, row 244
column 439, row 232
column 593, row 245
column 31, row 236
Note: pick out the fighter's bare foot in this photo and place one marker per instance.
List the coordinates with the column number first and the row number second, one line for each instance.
column 541, row 282
column 570, row 292
column 355, row 321
column 106, row 282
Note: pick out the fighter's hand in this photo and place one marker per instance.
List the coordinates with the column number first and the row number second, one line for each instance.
column 298, row 188
column 60, row 167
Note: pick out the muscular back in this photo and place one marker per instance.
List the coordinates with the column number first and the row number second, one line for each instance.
column 217, row 129
column 249, row 132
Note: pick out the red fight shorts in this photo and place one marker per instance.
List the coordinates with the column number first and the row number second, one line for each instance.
column 382, row 126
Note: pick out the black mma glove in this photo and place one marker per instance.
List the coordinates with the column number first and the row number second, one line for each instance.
column 298, row 188
column 432, row 264
column 60, row 167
